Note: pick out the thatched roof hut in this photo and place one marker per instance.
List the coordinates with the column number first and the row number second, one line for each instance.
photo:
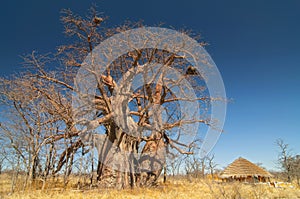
column 244, row 170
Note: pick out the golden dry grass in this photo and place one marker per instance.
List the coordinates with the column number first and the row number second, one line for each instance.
column 182, row 188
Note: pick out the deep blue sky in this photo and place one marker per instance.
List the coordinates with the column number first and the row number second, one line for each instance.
column 255, row 45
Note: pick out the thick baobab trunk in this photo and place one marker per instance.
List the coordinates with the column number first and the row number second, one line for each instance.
column 112, row 159
column 120, row 164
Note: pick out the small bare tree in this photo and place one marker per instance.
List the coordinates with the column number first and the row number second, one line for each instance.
column 211, row 164
column 195, row 166
column 285, row 159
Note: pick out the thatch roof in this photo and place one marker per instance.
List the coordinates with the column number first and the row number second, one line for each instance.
column 243, row 168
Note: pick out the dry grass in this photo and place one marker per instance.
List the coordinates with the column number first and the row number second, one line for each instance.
column 183, row 188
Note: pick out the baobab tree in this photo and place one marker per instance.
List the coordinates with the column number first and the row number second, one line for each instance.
column 145, row 92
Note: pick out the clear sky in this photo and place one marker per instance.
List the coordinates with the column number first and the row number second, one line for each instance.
column 255, row 44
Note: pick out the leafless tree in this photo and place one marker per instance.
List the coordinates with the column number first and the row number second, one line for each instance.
column 24, row 125
column 36, row 121
column 195, row 166
column 285, row 159
column 135, row 142
column 174, row 164
column 211, row 164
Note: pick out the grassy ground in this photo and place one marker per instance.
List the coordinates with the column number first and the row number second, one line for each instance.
column 183, row 188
